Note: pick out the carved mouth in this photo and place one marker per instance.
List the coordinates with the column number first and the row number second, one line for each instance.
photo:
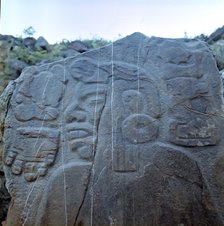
column 79, row 130
column 78, row 133
column 76, row 144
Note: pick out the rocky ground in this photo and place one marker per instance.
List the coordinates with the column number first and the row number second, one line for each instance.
column 18, row 53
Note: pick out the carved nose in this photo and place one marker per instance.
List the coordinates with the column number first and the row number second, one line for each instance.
column 77, row 116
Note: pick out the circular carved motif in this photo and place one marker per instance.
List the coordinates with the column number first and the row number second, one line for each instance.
column 140, row 128
column 132, row 100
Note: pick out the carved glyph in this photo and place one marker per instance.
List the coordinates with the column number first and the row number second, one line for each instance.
column 128, row 134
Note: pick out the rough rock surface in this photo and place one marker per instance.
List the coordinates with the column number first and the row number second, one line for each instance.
column 216, row 35
column 79, row 46
column 218, row 51
column 42, row 44
column 14, row 67
column 4, row 198
column 29, row 42
column 128, row 134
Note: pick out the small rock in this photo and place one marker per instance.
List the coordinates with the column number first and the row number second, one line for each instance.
column 14, row 67
column 29, row 42
column 42, row 44
column 78, row 46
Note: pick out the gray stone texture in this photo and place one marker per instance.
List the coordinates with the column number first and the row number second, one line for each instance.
column 42, row 44
column 128, row 134
column 216, row 35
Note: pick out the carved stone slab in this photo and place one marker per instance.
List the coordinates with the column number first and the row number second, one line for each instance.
column 128, row 134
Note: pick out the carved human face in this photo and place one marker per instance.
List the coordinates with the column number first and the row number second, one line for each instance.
column 82, row 117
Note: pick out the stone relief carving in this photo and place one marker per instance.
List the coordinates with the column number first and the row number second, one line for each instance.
column 137, row 122
column 192, row 97
column 124, row 135
column 42, row 94
column 35, row 152
column 82, row 118
column 194, row 132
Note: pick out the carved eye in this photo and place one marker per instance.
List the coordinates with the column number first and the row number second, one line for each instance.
column 128, row 98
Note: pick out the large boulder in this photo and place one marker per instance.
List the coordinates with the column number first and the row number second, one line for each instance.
column 218, row 34
column 128, row 134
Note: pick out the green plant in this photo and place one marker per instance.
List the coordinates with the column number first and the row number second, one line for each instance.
column 218, row 51
column 33, row 57
column 29, row 32
column 201, row 37
column 96, row 42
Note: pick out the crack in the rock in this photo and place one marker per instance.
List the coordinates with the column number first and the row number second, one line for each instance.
column 93, row 159
column 180, row 177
